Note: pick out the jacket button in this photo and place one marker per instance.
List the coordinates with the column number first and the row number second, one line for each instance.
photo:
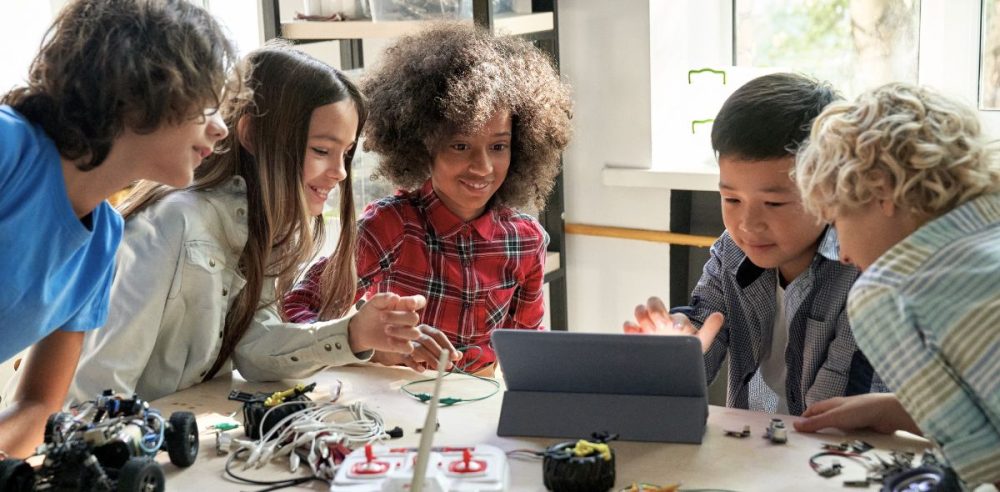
column 225, row 291
column 328, row 347
column 241, row 212
column 337, row 345
column 211, row 262
column 295, row 359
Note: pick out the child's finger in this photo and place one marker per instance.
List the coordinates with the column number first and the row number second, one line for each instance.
column 655, row 305
column 414, row 364
column 815, row 423
column 402, row 318
column 630, row 327
column 440, row 338
column 709, row 329
column 425, row 353
column 410, row 303
column 403, row 333
column 820, row 407
column 382, row 301
column 642, row 319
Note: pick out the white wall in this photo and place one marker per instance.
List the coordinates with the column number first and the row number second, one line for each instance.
column 22, row 27
column 605, row 55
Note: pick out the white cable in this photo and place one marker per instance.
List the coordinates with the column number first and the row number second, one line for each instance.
column 314, row 428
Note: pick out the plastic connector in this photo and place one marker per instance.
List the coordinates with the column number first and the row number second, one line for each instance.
column 395, row 432
column 449, row 401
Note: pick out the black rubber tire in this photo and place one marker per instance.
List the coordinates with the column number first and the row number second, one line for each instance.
column 141, row 475
column 54, row 427
column 934, row 478
column 182, row 439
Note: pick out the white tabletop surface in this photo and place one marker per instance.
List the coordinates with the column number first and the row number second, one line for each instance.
column 719, row 462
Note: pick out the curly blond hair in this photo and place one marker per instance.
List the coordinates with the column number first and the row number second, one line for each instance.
column 909, row 144
column 452, row 78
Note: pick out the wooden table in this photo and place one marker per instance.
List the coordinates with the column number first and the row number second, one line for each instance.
column 720, row 462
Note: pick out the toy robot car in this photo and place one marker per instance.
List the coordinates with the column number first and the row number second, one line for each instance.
column 108, row 446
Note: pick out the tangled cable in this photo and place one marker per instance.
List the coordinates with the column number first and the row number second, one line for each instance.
column 321, row 435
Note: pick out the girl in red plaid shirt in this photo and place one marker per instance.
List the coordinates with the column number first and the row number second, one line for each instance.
column 469, row 127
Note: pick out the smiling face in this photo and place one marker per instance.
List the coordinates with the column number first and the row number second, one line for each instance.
column 468, row 169
column 332, row 130
column 763, row 213
column 173, row 151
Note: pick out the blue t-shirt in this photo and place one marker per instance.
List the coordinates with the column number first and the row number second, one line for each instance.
column 56, row 270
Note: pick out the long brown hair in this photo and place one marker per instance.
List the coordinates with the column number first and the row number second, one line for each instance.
column 287, row 86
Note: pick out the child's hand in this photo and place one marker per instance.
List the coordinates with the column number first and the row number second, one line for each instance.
column 387, row 323
column 429, row 346
column 654, row 318
column 426, row 350
column 880, row 412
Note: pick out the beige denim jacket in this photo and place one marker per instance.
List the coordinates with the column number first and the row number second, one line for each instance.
column 176, row 279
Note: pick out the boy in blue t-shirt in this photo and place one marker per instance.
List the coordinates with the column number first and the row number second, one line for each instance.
column 771, row 297
column 121, row 90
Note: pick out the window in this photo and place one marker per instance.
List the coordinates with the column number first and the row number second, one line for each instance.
column 366, row 189
column 855, row 44
column 989, row 68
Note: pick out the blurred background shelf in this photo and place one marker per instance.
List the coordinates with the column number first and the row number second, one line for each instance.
column 508, row 24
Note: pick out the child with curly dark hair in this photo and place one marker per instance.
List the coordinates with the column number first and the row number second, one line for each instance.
column 121, row 90
column 470, row 127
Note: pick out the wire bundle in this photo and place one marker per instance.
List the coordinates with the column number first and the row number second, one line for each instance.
column 321, row 434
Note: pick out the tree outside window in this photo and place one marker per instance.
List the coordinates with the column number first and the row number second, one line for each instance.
column 854, row 44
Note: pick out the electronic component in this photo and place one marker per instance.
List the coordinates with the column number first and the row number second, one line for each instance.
column 830, row 471
column 776, row 432
column 740, row 434
column 257, row 405
column 379, row 468
column 859, row 446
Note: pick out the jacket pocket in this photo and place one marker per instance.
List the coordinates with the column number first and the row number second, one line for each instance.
column 205, row 256
column 202, row 282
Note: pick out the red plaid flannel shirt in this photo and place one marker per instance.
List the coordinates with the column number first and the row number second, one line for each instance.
column 476, row 276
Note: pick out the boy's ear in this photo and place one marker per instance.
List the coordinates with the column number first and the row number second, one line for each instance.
column 243, row 133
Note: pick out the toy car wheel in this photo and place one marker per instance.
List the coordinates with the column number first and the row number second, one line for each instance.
column 141, row 475
column 16, row 476
column 56, row 426
column 927, row 477
column 182, row 439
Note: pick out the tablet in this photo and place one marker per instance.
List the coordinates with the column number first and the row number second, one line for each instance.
column 568, row 384
column 630, row 364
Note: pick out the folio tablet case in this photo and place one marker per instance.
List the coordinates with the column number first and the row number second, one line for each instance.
column 564, row 384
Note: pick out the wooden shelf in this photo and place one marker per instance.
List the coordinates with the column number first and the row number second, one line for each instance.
column 508, row 24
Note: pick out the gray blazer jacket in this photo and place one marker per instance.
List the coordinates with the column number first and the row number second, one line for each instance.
column 822, row 359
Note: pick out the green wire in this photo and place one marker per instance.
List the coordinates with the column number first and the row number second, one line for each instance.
column 448, row 401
